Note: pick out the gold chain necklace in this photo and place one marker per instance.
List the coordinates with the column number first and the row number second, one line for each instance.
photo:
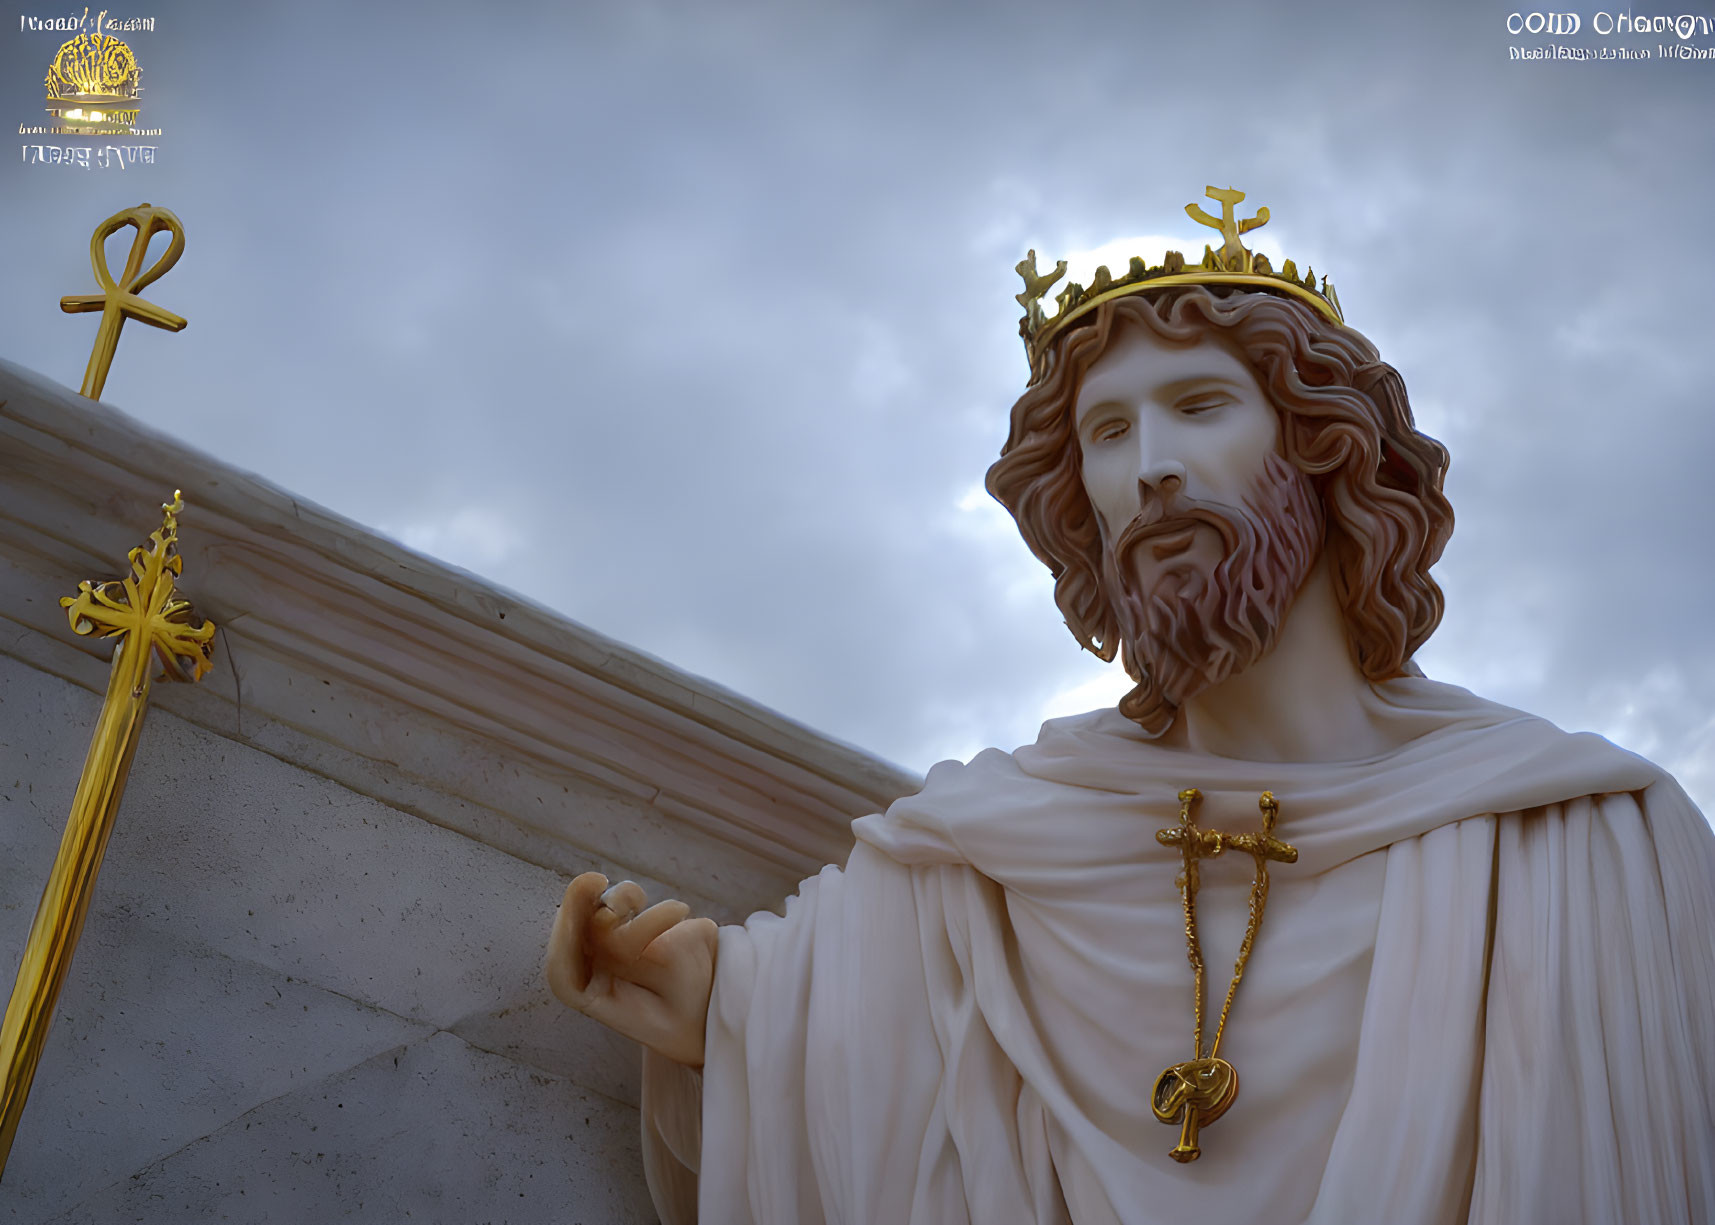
column 1199, row 1091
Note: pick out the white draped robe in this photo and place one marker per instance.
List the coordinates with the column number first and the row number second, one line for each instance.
column 1484, row 993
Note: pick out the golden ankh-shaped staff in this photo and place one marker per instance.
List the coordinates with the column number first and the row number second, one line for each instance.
column 151, row 624
column 119, row 301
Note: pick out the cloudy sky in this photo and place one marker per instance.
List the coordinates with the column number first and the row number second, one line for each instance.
column 694, row 322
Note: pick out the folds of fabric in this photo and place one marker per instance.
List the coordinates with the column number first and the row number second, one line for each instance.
column 1598, row 1082
column 1533, row 1017
column 1403, row 1149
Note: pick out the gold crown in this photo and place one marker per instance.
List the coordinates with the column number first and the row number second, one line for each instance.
column 1232, row 264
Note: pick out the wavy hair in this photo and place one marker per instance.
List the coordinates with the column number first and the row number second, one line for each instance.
column 1344, row 422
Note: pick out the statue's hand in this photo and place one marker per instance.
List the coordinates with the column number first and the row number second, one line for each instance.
column 646, row 974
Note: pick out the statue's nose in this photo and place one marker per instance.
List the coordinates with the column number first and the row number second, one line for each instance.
column 1160, row 479
column 1158, row 464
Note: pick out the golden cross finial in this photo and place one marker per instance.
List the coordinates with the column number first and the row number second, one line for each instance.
column 1035, row 285
column 1234, row 256
column 150, row 623
column 146, row 607
column 119, row 301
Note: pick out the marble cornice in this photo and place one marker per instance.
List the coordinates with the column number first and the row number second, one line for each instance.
column 411, row 679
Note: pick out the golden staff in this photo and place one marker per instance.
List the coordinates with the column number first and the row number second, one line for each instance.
column 119, row 302
column 150, row 622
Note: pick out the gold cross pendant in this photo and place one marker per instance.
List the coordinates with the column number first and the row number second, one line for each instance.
column 1199, row 1091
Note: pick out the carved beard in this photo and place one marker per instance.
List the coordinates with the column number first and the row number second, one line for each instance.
column 1192, row 628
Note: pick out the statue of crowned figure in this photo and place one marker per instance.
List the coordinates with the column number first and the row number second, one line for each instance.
column 1472, row 955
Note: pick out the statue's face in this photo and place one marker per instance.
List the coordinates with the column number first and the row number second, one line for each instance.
column 1188, row 421
column 1208, row 533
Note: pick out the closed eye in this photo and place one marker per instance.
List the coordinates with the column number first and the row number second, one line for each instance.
column 1109, row 430
column 1203, row 404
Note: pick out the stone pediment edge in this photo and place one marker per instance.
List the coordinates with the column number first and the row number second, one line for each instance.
column 736, row 769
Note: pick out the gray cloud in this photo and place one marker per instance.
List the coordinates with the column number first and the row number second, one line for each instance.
column 695, row 322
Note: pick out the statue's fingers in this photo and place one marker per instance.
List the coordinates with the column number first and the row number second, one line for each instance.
column 626, row 898
column 663, row 965
column 631, row 939
column 567, row 965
